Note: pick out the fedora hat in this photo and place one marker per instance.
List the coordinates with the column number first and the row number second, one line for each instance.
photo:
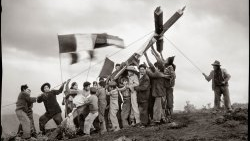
column 45, row 84
column 131, row 68
column 112, row 83
column 216, row 63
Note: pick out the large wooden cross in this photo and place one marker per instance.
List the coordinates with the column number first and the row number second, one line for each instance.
column 160, row 29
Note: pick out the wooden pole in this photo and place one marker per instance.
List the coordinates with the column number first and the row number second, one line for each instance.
column 158, row 17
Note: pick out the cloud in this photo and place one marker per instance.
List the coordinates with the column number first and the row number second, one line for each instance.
column 209, row 30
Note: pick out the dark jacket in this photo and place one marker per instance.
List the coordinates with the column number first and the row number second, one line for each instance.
column 170, row 82
column 158, row 84
column 23, row 101
column 49, row 100
column 143, row 90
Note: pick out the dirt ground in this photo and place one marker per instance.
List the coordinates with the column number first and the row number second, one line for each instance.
column 198, row 126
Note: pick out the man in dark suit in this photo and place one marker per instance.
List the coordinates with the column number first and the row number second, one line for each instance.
column 143, row 91
column 52, row 107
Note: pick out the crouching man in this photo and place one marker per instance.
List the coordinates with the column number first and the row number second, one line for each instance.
column 52, row 107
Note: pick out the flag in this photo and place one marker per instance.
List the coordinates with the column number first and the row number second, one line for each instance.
column 107, row 68
column 73, row 43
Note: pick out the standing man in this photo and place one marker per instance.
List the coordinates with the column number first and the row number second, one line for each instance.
column 220, row 78
column 22, row 103
column 30, row 115
column 52, row 107
column 170, row 82
column 80, row 103
column 93, row 111
column 157, row 76
column 143, row 92
column 133, row 82
column 102, row 104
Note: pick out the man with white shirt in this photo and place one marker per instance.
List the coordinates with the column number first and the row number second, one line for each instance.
column 79, row 101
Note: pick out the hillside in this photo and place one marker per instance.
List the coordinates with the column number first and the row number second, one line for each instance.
column 10, row 123
column 198, row 126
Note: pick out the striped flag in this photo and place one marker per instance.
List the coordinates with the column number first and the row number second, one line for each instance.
column 73, row 43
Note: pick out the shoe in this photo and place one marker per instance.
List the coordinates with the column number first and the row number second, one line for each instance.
column 164, row 121
column 142, row 126
column 86, row 135
column 133, row 124
column 154, row 123
column 79, row 132
column 137, row 124
column 229, row 111
column 117, row 129
column 102, row 132
column 34, row 135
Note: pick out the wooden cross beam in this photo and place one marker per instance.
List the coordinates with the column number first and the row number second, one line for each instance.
column 166, row 26
column 159, row 33
column 158, row 16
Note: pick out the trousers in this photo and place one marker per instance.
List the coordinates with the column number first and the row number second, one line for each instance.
column 144, row 116
column 89, row 122
column 46, row 117
column 218, row 91
column 135, row 114
column 158, row 110
column 113, row 109
column 25, row 122
column 126, row 108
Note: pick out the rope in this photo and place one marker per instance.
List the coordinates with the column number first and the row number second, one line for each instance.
column 95, row 64
column 89, row 69
column 184, row 55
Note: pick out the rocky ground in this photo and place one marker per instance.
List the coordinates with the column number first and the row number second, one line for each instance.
column 197, row 126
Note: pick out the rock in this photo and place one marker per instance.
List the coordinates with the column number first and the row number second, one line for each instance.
column 123, row 138
column 220, row 120
column 231, row 124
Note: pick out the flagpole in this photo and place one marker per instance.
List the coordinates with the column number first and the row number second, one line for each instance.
column 62, row 82
column 61, row 67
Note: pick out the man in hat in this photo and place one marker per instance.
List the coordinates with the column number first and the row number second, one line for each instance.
column 53, row 110
column 143, row 92
column 133, row 82
column 220, row 78
column 22, row 103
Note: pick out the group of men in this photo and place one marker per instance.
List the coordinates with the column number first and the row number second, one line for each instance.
column 140, row 99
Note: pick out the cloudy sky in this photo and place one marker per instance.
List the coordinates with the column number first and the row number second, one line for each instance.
column 209, row 30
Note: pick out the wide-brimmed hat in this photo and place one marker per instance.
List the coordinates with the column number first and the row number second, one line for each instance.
column 112, row 83
column 216, row 63
column 45, row 84
column 131, row 68
column 142, row 66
